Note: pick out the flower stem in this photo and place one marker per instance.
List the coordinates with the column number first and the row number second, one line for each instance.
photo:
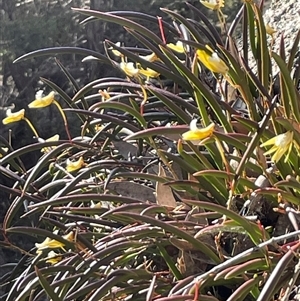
column 31, row 126
column 64, row 118
column 145, row 97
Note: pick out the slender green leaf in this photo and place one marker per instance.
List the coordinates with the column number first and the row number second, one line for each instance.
column 48, row 289
column 61, row 50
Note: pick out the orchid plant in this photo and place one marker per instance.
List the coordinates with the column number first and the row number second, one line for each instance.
column 191, row 157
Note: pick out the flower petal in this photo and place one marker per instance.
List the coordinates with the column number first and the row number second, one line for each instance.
column 269, row 142
column 278, row 154
column 49, row 243
column 69, row 236
column 48, row 149
column 270, row 30
column 213, row 4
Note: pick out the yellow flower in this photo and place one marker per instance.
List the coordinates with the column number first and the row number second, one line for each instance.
column 98, row 127
column 72, row 166
column 149, row 73
column 116, row 52
column 281, row 144
column 213, row 4
column 104, row 95
column 198, row 134
column 13, row 117
column 41, row 102
column 50, row 243
column 212, row 61
column 53, row 257
column 270, row 30
column 129, row 69
column 179, row 47
column 150, row 57
column 48, row 149
column 4, row 149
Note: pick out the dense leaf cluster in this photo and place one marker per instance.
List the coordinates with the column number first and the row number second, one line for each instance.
column 134, row 207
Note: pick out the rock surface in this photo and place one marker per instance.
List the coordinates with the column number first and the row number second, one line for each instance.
column 284, row 16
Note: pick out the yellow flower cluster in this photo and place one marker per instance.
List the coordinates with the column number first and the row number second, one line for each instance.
column 135, row 70
column 50, row 243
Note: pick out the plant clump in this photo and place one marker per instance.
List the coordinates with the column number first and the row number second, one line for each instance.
column 184, row 182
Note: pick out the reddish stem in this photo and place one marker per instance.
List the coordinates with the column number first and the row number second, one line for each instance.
column 196, row 295
column 161, row 28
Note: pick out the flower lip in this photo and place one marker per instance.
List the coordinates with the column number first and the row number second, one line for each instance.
column 53, row 257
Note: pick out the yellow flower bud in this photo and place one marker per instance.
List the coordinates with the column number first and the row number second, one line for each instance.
column 150, row 58
column 270, row 30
